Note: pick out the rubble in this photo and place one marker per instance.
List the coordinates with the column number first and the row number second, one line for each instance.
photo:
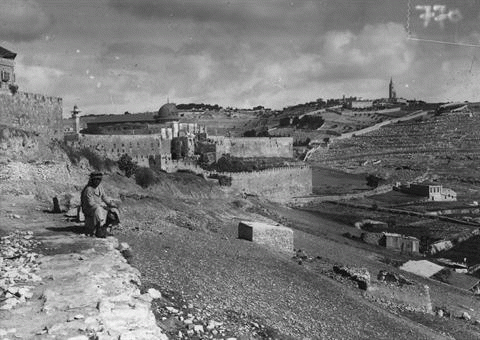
column 393, row 278
column 182, row 319
column 18, row 266
column 360, row 275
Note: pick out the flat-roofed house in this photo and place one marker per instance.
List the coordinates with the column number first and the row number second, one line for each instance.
column 434, row 191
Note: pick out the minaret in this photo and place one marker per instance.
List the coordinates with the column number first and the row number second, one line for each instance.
column 76, row 115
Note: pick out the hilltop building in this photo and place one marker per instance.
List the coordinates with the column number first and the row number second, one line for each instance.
column 7, row 68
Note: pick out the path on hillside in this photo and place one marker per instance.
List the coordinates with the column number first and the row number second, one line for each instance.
column 69, row 286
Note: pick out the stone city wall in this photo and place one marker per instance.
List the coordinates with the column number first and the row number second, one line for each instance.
column 279, row 184
column 32, row 112
column 254, row 147
column 139, row 147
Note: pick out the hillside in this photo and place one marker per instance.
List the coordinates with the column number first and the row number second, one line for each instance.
column 184, row 240
column 445, row 145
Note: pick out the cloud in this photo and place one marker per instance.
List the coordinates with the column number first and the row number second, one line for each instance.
column 22, row 20
column 35, row 78
column 375, row 51
column 136, row 48
column 235, row 16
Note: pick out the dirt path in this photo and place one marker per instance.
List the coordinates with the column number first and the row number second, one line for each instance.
column 56, row 283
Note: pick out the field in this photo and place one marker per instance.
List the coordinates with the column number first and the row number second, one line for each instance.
column 333, row 182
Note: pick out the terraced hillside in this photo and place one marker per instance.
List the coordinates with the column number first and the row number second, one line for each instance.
column 446, row 145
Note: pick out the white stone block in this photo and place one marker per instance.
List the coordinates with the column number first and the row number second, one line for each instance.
column 275, row 237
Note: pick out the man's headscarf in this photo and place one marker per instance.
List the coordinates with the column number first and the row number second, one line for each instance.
column 95, row 175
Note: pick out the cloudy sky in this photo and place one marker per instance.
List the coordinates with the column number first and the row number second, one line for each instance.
column 111, row 56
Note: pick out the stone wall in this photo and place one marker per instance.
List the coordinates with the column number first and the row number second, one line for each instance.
column 32, row 112
column 254, row 146
column 279, row 184
column 139, row 147
column 414, row 297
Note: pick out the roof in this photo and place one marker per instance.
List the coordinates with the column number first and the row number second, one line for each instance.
column 422, row 268
column 168, row 112
column 462, row 281
column 4, row 53
column 146, row 117
column 401, row 236
column 432, row 184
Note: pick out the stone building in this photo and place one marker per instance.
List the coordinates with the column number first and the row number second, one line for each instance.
column 405, row 244
column 7, row 68
column 433, row 191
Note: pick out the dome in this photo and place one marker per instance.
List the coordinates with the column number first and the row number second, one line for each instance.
column 167, row 112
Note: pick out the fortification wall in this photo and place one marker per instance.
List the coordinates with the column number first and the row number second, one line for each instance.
column 279, row 184
column 254, row 147
column 139, row 147
column 32, row 112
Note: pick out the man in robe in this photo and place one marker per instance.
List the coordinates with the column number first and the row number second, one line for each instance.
column 95, row 204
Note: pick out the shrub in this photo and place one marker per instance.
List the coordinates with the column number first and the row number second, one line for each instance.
column 127, row 165
column 96, row 161
column 145, row 177
column 13, row 88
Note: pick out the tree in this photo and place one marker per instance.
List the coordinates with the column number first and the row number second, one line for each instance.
column 126, row 164
column 374, row 181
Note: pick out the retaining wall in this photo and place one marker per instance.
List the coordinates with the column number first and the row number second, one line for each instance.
column 254, row 146
column 32, row 112
column 415, row 297
column 139, row 147
column 279, row 184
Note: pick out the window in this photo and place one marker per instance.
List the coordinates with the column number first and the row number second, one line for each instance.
column 5, row 76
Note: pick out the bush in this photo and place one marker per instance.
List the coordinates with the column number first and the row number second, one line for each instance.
column 127, row 165
column 96, row 161
column 145, row 177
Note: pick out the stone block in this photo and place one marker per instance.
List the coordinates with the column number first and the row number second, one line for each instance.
column 275, row 237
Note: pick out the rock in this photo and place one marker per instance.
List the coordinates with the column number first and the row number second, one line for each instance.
column 198, row 329
column 172, row 310
column 440, row 313
column 155, row 294
column 123, row 246
column 466, row 316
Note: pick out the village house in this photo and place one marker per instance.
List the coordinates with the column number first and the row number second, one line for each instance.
column 431, row 191
column 7, row 64
column 405, row 244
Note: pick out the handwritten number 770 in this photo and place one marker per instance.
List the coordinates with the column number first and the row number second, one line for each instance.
column 439, row 14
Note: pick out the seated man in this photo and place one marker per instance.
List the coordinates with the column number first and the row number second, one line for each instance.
column 95, row 204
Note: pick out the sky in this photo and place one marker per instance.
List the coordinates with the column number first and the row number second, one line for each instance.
column 112, row 56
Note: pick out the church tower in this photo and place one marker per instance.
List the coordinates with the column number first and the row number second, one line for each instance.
column 392, row 95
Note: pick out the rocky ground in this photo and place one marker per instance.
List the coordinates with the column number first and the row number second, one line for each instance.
column 208, row 284
column 62, row 285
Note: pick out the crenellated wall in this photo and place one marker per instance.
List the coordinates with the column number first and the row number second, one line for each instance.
column 278, row 184
column 254, row 146
column 32, row 112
